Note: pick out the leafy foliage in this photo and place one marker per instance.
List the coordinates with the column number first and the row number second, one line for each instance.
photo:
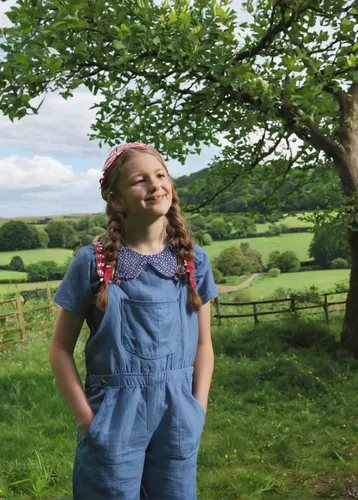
column 17, row 235
column 238, row 260
column 287, row 262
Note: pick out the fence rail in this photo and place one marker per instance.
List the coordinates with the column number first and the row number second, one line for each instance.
column 19, row 314
column 292, row 309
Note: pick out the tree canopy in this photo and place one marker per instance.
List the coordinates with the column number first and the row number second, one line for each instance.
column 179, row 74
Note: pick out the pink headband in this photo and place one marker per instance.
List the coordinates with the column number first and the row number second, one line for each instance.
column 116, row 152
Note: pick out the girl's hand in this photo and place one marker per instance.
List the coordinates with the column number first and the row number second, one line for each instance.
column 85, row 425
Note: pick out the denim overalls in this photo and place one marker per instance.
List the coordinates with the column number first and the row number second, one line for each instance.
column 144, row 439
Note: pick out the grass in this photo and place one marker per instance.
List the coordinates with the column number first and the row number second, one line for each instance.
column 289, row 221
column 298, row 242
column 16, row 288
column 262, row 286
column 281, row 422
column 12, row 274
column 59, row 255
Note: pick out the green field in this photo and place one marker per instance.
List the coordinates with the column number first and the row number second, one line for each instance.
column 262, row 286
column 289, row 221
column 59, row 255
column 8, row 275
column 17, row 288
column 298, row 242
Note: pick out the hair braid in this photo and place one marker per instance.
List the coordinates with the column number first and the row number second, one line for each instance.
column 180, row 237
column 113, row 237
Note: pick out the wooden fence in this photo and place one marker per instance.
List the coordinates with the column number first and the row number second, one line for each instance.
column 292, row 309
column 19, row 313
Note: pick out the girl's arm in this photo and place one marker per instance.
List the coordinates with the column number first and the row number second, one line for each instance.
column 67, row 329
column 204, row 359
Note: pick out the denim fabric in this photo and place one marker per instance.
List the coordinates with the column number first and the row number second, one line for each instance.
column 143, row 441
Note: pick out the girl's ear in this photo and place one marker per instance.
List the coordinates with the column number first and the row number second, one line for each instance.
column 114, row 202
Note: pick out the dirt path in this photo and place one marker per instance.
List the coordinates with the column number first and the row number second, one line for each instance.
column 244, row 284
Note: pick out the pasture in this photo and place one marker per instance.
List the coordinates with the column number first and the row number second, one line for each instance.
column 281, row 420
column 298, row 242
column 59, row 255
column 262, row 286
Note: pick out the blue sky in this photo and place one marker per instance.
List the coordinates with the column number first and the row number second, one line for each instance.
column 48, row 165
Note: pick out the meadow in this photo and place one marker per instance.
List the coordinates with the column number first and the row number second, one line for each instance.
column 281, row 421
column 59, row 255
column 263, row 286
column 298, row 242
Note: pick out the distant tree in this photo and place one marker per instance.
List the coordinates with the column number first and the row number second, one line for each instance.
column 219, row 229
column 287, row 262
column 61, row 234
column 99, row 220
column 330, row 243
column 17, row 235
column 207, row 239
column 44, row 270
column 17, row 264
column 44, row 239
column 237, row 260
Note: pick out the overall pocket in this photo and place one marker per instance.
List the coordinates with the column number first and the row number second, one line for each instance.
column 150, row 330
column 97, row 402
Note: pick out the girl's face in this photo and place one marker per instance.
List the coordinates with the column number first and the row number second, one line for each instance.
column 145, row 188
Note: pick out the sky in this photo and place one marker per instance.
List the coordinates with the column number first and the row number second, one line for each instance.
column 49, row 166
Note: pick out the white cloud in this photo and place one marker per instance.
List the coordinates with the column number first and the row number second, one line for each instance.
column 60, row 128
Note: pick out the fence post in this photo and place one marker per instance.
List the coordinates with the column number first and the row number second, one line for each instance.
column 49, row 299
column 256, row 318
column 217, row 305
column 19, row 301
column 325, row 308
column 293, row 306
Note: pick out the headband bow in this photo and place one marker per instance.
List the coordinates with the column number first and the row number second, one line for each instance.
column 116, row 152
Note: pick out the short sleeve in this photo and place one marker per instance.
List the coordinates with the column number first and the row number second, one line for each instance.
column 75, row 293
column 205, row 283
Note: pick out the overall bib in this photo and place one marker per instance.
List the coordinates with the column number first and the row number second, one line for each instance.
column 143, row 441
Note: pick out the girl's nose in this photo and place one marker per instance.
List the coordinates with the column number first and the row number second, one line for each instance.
column 154, row 184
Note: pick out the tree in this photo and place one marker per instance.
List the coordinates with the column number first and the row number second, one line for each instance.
column 17, row 235
column 330, row 243
column 219, row 229
column 237, row 260
column 61, row 234
column 287, row 262
column 197, row 73
column 17, row 264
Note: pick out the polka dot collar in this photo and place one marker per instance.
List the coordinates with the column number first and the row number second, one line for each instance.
column 131, row 264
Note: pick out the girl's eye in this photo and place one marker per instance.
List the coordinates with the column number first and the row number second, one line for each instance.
column 161, row 175
column 140, row 180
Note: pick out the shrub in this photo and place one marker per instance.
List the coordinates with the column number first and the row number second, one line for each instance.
column 340, row 263
column 274, row 273
column 17, row 264
column 207, row 239
column 218, row 275
column 237, row 260
column 287, row 262
column 44, row 270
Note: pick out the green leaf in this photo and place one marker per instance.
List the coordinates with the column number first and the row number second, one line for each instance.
column 196, row 29
column 156, row 40
column 118, row 45
column 355, row 47
column 221, row 12
column 21, row 58
column 172, row 17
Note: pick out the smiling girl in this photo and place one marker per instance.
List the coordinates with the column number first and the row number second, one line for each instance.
column 144, row 290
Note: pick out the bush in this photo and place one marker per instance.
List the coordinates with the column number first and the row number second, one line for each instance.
column 340, row 263
column 287, row 262
column 218, row 276
column 329, row 243
column 207, row 239
column 237, row 260
column 17, row 264
column 274, row 273
column 44, row 270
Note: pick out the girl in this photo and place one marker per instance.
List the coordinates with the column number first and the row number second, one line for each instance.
column 145, row 294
